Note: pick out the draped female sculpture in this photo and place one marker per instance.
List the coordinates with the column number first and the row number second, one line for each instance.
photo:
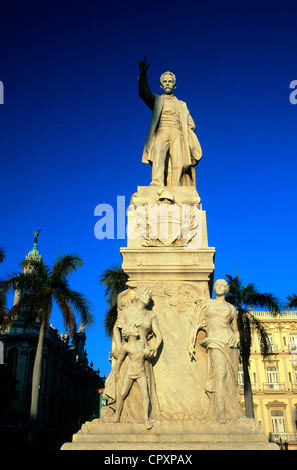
column 218, row 319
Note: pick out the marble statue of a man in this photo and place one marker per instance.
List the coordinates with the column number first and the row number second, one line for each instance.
column 171, row 146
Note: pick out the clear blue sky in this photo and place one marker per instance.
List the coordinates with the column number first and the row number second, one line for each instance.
column 72, row 129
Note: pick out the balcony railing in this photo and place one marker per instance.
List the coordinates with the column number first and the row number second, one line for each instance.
column 274, row 386
column 253, row 384
column 288, row 437
column 271, row 387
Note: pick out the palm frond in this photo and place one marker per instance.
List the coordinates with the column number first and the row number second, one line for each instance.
column 249, row 296
column 110, row 319
column 79, row 303
column 17, row 281
column 265, row 344
column 28, row 305
column 243, row 297
column 25, row 283
column 2, row 304
column 248, row 292
column 115, row 280
column 65, row 266
column 292, row 301
column 2, row 255
column 39, row 287
column 235, row 289
column 252, row 297
column 67, row 314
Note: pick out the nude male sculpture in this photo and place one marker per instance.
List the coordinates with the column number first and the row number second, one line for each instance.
column 171, row 146
column 137, row 350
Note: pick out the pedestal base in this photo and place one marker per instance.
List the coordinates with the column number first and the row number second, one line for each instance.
column 243, row 434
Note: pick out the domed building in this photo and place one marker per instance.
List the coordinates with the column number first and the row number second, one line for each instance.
column 69, row 385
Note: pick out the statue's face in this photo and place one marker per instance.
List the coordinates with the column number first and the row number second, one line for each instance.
column 221, row 287
column 168, row 84
column 144, row 296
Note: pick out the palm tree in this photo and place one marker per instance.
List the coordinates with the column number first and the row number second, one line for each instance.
column 115, row 280
column 292, row 301
column 40, row 287
column 244, row 298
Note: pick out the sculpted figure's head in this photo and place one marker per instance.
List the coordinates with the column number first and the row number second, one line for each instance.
column 168, row 82
column 221, row 287
column 143, row 294
column 124, row 299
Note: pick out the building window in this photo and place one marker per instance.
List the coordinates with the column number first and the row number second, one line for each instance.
column 278, row 421
column 272, row 377
column 273, row 348
column 241, row 380
column 293, row 342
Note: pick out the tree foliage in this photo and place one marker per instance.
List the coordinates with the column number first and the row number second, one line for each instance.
column 245, row 298
column 40, row 287
column 292, row 301
column 115, row 280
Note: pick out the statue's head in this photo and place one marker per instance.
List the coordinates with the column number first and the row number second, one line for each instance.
column 143, row 294
column 168, row 82
column 221, row 287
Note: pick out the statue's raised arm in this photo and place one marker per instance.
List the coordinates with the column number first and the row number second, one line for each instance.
column 143, row 88
column 171, row 146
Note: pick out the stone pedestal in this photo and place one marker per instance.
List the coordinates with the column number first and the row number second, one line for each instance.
column 172, row 435
column 167, row 252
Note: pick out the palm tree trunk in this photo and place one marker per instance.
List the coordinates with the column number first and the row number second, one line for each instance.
column 36, row 382
column 248, row 394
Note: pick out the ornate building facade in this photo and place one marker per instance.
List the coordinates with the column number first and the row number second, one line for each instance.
column 274, row 379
